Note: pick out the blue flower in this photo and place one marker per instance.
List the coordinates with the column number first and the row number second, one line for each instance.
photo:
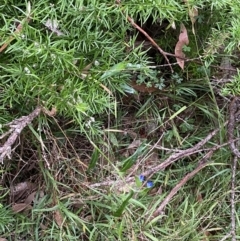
column 141, row 178
column 150, row 184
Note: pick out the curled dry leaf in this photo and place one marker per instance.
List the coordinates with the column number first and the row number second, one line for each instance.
column 182, row 40
column 51, row 112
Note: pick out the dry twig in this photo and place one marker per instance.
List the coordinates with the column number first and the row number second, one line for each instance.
column 171, row 159
column 16, row 128
column 130, row 20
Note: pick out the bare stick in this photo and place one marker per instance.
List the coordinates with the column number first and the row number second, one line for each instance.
column 184, row 153
column 226, row 237
column 16, row 128
column 130, row 20
column 171, row 159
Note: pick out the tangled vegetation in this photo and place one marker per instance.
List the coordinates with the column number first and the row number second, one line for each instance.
column 113, row 119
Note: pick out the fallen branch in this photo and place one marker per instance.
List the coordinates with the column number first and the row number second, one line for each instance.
column 16, row 128
column 171, row 159
column 184, row 153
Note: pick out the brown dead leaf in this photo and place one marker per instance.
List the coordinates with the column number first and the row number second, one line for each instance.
column 193, row 12
column 135, row 144
column 58, row 218
column 3, row 239
column 87, row 67
column 18, row 207
column 85, row 70
column 132, row 147
column 30, row 198
column 182, row 40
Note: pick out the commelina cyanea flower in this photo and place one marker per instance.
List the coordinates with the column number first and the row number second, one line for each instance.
column 149, row 184
column 141, row 178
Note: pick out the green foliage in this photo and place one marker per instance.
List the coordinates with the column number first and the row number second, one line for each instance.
column 40, row 67
column 6, row 218
column 130, row 161
column 124, row 204
column 84, row 66
column 232, row 87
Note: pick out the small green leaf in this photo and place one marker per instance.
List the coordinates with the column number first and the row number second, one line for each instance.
column 113, row 139
column 116, row 69
column 128, row 89
column 151, row 237
column 122, row 207
column 130, row 161
column 82, row 107
column 94, row 159
column 138, row 182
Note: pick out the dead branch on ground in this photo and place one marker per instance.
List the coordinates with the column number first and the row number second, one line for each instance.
column 171, row 159
column 16, row 127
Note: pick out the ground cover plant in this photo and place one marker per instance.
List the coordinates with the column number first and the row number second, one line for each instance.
column 119, row 120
